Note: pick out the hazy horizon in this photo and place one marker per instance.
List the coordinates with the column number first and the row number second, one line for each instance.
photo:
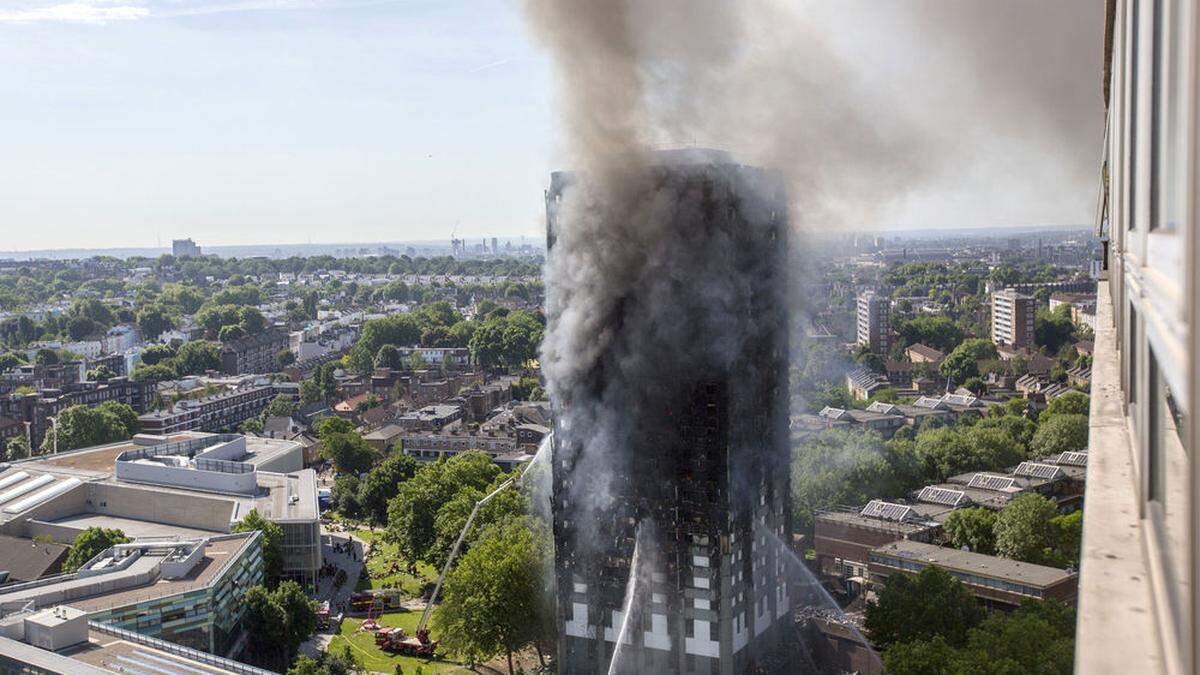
column 239, row 122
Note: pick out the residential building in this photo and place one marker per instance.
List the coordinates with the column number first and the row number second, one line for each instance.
column 185, row 248
column 690, row 499
column 253, row 353
column 220, row 412
column 920, row 353
column 39, row 408
column 874, row 322
column 1140, row 521
column 997, row 582
column 1012, row 318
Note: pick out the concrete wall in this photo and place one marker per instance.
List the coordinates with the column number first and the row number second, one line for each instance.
column 230, row 450
column 285, row 462
column 212, row 481
column 170, row 508
column 69, row 504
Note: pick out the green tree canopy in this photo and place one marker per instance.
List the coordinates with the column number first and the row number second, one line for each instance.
column 382, row 483
column 160, row 372
column 1070, row 403
column 494, row 600
column 272, row 543
column 920, row 608
column 1023, row 529
column 348, row 452
column 155, row 354
column 412, row 513
column 1061, row 433
column 963, row 362
column 152, row 321
column 90, row 543
column 196, row 357
column 972, row 528
column 80, row 426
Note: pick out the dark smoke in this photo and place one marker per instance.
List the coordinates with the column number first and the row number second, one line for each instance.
column 913, row 112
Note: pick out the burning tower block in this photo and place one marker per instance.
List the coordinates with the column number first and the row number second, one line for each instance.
column 667, row 357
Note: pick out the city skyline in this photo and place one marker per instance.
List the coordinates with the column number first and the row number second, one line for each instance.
column 238, row 123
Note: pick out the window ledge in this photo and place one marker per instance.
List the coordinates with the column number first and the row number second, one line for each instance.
column 1117, row 629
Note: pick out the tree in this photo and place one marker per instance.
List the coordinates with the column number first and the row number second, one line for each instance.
column 310, row 392
column 344, row 495
column 389, row 357
column 272, row 543
column 383, row 482
column 301, row 613
column 17, row 448
column 1053, row 329
column 101, row 373
column 1061, row 433
column 1068, row 537
column 152, row 321
column 281, row 406
column 939, row 332
column 946, row 451
column 46, row 357
column 1036, row 638
column 452, row 517
column 10, row 360
column 931, row 604
column 231, row 333
column 156, row 373
column 348, row 452
column 155, row 354
column 972, row 528
column 327, row 426
column 265, row 621
column 79, row 426
column 494, row 600
column 1070, row 403
column 412, row 513
column 1023, row 529
column 284, row 358
column 251, row 426
column 844, row 467
column 196, row 357
column 963, row 362
column 328, row 663
column 90, row 543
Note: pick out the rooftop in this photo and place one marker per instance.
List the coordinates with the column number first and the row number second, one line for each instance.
column 953, row 559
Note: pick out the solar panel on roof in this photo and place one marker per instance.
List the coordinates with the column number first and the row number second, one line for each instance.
column 877, row 508
column 937, row 495
column 987, row 481
column 1073, row 458
column 1038, row 470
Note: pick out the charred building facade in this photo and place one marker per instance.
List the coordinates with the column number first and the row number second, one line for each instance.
column 670, row 462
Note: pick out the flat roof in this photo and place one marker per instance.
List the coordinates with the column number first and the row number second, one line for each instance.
column 953, row 559
column 856, row 518
column 217, row 555
column 132, row 527
column 118, row 655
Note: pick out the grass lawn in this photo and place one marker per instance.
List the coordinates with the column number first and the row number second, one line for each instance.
column 362, row 643
column 381, row 562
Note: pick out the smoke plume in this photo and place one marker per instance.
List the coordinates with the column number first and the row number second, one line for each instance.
column 915, row 113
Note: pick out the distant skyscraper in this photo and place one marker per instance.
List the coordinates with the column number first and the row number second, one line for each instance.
column 874, row 322
column 495, row 245
column 669, row 532
column 1012, row 318
column 185, row 248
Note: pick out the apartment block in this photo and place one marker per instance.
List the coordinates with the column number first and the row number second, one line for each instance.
column 1012, row 318
column 874, row 321
column 253, row 353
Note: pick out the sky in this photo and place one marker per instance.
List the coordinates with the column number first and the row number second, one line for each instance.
column 132, row 122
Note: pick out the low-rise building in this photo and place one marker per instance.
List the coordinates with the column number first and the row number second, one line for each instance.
column 919, row 353
column 38, row 408
column 995, row 581
column 220, row 412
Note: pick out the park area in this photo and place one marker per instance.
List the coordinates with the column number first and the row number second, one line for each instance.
column 362, row 644
column 388, row 569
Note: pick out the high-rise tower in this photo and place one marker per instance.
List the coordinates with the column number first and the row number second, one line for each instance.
column 670, row 466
